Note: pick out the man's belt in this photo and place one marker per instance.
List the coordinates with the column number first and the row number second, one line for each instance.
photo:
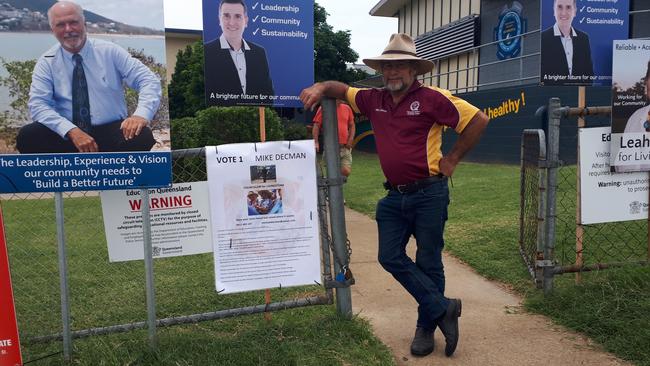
column 414, row 186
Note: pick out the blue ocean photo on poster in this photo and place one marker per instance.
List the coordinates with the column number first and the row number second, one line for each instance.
column 576, row 40
column 257, row 52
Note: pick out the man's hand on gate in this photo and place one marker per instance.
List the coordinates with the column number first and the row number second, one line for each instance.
column 311, row 96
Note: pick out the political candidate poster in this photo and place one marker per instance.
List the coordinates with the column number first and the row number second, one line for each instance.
column 576, row 40
column 630, row 142
column 607, row 196
column 264, row 215
column 91, row 85
column 180, row 222
column 121, row 52
column 257, row 52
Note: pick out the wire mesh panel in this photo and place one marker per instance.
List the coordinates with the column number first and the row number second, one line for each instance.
column 32, row 247
column 532, row 207
column 107, row 298
column 612, row 242
column 576, row 247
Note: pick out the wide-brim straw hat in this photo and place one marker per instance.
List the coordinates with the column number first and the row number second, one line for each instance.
column 400, row 48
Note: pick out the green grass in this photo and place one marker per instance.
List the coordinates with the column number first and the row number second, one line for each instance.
column 309, row 336
column 104, row 294
column 612, row 307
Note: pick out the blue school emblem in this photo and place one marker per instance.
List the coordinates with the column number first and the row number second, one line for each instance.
column 507, row 33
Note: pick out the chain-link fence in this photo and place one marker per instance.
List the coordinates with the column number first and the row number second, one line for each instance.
column 552, row 240
column 108, row 298
column 532, row 199
column 603, row 244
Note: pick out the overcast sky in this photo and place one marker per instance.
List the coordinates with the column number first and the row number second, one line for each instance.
column 369, row 34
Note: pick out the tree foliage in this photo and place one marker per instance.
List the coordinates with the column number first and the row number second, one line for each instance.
column 186, row 89
column 17, row 82
column 217, row 126
column 224, row 125
column 332, row 51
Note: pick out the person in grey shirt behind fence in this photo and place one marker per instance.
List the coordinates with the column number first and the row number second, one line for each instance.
column 76, row 99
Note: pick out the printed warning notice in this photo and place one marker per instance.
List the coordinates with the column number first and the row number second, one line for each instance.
column 180, row 222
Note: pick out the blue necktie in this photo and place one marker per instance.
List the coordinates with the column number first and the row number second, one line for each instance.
column 80, row 102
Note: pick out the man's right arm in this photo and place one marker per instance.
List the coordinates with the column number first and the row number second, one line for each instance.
column 311, row 96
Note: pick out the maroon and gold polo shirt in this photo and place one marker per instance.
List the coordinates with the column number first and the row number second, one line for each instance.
column 408, row 135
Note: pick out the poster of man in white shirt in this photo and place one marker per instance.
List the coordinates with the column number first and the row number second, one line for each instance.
column 630, row 142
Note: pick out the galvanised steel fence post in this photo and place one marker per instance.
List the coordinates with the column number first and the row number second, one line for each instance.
column 542, row 204
column 63, row 277
column 336, row 210
column 148, row 266
column 553, row 156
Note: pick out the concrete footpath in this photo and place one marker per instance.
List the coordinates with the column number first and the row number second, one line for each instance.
column 494, row 328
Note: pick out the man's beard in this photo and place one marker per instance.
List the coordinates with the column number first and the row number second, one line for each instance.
column 396, row 85
column 73, row 39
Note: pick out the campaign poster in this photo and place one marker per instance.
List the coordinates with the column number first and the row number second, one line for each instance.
column 180, row 222
column 29, row 43
column 630, row 143
column 576, row 40
column 265, row 230
column 607, row 196
column 9, row 341
column 258, row 53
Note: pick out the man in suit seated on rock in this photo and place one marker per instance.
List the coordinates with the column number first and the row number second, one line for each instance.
column 76, row 98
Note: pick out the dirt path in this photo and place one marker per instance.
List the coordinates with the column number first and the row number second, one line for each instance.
column 494, row 328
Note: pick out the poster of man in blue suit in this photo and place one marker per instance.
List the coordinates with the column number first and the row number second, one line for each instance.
column 246, row 57
column 576, row 40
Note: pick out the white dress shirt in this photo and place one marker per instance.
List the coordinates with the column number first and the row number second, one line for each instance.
column 238, row 58
column 567, row 43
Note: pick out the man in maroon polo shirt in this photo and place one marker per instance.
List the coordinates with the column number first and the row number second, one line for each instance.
column 408, row 119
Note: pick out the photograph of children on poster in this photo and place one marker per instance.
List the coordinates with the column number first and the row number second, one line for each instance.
column 263, row 202
column 630, row 143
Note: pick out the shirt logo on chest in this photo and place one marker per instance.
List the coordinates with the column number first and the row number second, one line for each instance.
column 415, row 109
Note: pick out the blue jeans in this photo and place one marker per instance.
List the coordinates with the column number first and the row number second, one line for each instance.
column 422, row 214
